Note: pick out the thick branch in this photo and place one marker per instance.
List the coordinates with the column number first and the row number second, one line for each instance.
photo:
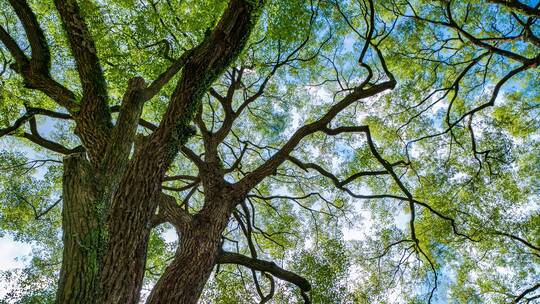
column 36, row 138
column 260, row 265
column 167, row 75
column 151, row 160
column 13, row 48
column 482, row 44
column 202, row 68
column 85, row 54
column 123, row 134
column 41, row 57
column 35, row 70
column 94, row 121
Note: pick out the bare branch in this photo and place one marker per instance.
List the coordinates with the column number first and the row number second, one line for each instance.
column 36, row 138
column 260, row 265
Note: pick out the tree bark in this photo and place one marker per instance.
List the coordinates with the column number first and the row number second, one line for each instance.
column 128, row 229
column 184, row 279
column 133, row 205
column 109, row 215
column 81, row 233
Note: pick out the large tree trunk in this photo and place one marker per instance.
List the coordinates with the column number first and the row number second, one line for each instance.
column 82, row 234
column 129, row 224
column 184, row 279
column 108, row 217
column 106, row 226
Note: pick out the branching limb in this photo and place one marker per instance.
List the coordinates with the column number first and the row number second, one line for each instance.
column 35, row 70
column 490, row 103
column 169, row 211
column 325, row 173
column 164, row 78
column 84, row 51
column 123, row 134
column 247, row 230
column 36, row 138
column 34, row 135
column 94, row 122
column 30, row 113
column 14, row 49
column 236, row 80
column 332, row 177
column 38, row 214
column 17, row 124
column 213, row 55
column 192, row 156
column 41, row 57
column 265, row 266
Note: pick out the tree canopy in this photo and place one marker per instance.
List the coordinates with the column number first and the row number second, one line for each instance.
column 339, row 151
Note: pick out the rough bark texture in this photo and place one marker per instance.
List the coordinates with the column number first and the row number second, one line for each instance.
column 110, row 194
column 93, row 118
column 80, row 266
column 134, row 203
column 129, row 224
column 184, row 279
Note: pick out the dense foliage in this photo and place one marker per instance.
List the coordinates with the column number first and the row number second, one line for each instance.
column 426, row 191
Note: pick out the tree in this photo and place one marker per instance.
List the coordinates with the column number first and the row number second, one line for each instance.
column 302, row 110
